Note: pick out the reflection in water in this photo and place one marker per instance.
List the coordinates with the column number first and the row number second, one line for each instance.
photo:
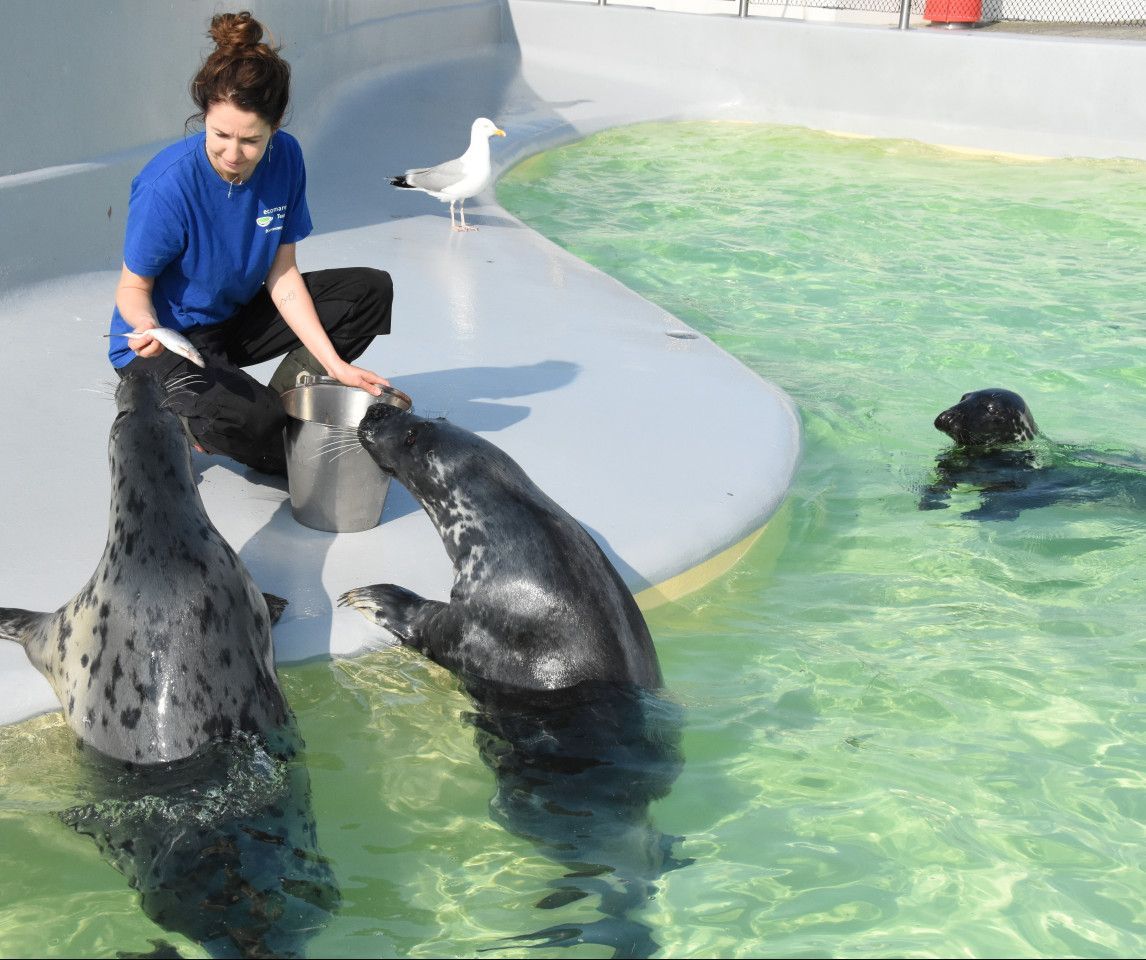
column 222, row 847
column 576, row 771
column 1010, row 480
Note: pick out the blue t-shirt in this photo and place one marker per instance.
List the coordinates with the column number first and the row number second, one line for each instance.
column 209, row 244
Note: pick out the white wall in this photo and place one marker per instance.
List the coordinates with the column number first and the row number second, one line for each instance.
column 90, row 90
column 1013, row 93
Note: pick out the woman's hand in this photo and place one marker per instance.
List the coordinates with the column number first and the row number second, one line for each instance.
column 145, row 346
column 353, row 376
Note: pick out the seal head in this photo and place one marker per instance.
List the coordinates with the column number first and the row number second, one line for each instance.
column 988, row 418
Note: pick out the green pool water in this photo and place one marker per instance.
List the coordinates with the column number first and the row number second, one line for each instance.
column 906, row 733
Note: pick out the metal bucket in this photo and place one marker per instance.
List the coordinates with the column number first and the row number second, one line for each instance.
column 334, row 483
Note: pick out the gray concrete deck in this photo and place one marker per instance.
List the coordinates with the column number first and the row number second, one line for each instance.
column 667, row 449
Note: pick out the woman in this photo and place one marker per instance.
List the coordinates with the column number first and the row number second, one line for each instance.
column 210, row 251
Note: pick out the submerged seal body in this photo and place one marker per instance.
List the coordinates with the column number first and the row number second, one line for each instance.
column 164, row 668
column 168, row 645
column 576, row 772
column 535, row 603
column 1000, row 452
column 221, row 847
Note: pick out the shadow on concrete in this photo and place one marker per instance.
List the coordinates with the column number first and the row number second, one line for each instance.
column 463, row 395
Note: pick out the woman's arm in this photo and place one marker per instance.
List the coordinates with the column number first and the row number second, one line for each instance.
column 133, row 298
column 289, row 294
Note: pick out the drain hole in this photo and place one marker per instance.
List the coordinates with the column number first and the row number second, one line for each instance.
column 682, row 335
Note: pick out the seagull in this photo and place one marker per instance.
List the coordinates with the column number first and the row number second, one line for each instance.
column 457, row 180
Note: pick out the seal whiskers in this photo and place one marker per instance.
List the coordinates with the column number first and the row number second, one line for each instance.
column 106, row 389
column 341, row 441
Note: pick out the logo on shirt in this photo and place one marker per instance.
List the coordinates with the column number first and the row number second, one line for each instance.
column 272, row 218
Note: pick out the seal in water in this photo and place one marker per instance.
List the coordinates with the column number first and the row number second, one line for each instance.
column 535, row 602
column 164, row 667
column 1000, row 452
column 549, row 642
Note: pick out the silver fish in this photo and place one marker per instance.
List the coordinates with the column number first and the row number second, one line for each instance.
column 172, row 340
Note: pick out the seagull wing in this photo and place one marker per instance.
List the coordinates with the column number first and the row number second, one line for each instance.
column 438, row 178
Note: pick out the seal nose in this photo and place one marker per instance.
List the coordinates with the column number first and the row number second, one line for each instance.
column 945, row 422
column 380, row 411
column 372, row 420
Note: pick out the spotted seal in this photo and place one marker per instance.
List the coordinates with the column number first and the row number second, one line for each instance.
column 163, row 662
column 551, row 646
column 168, row 645
column 535, row 603
column 1000, row 452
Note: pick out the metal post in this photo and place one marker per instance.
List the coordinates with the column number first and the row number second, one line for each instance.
column 904, row 13
column 743, row 12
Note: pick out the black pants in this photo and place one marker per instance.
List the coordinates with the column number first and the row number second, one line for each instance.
column 226, row 409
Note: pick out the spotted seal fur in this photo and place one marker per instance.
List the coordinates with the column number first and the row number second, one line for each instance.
column 168, row 645
column 535, row 603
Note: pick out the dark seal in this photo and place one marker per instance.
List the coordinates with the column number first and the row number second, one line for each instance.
column 548, row 641
column 164, row 667
column 999, row 452
column 535, row 602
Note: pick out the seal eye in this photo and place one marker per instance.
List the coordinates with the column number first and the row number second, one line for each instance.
column 411, row 438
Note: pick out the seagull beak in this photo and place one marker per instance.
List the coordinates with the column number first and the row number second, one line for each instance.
column 499, row 133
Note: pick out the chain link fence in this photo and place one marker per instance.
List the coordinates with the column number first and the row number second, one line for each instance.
column 1127, row 12
column 1123, row 19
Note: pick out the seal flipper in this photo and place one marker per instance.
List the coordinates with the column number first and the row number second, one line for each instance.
column 20, row 625
column 275, row 606
column 395, row 609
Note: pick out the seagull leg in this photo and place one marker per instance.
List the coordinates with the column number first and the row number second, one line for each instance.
column 453, row 224
column 462, row 211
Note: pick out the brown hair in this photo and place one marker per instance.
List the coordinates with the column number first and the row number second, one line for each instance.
column 241, row 71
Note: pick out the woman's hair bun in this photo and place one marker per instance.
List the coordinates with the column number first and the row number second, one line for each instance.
column 242, row 70
column 230, row 30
